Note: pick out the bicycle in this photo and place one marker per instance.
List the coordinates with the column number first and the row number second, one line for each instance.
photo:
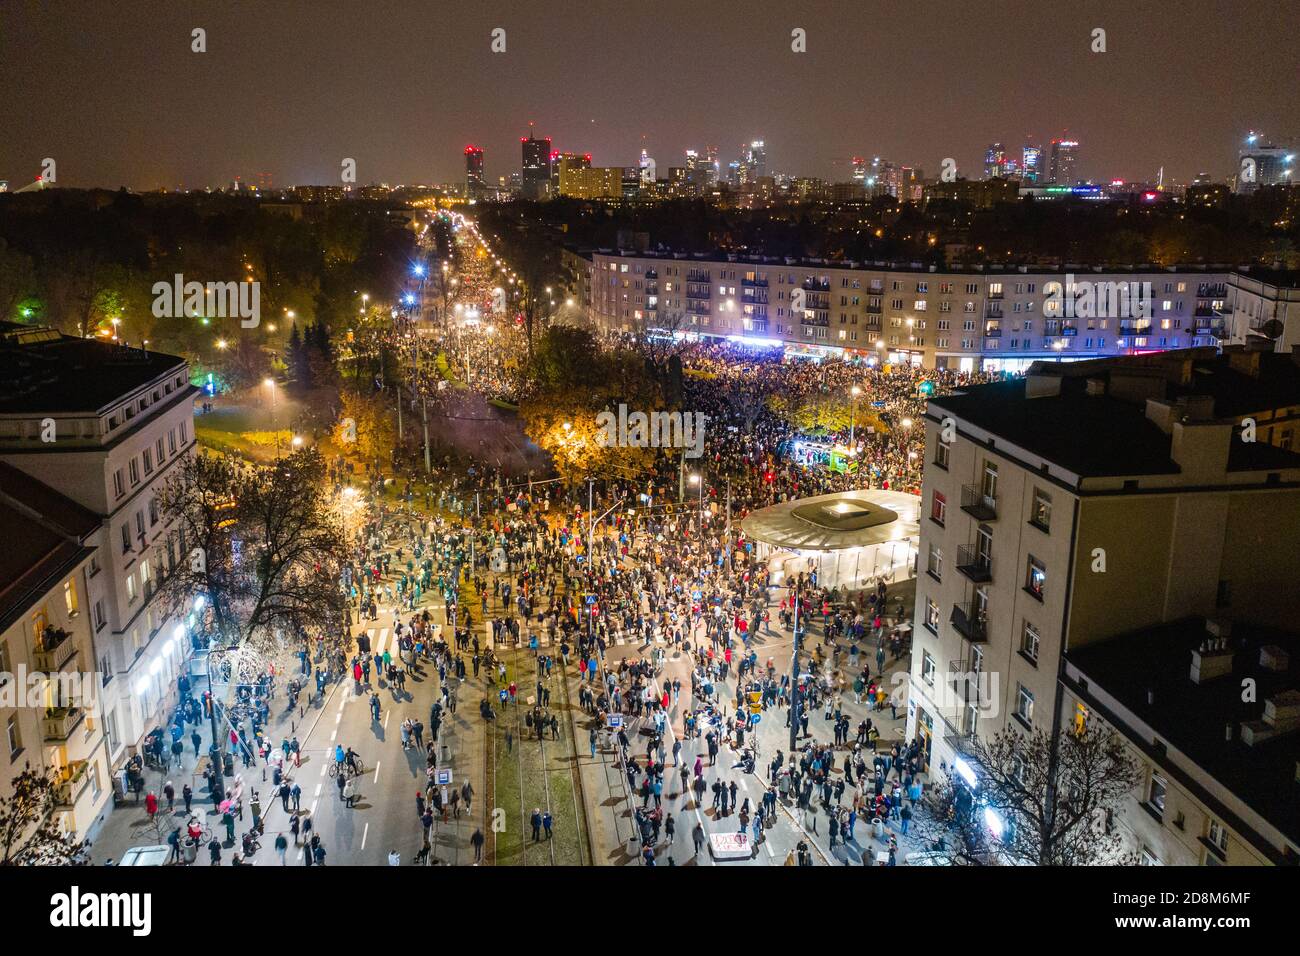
column 349, row 770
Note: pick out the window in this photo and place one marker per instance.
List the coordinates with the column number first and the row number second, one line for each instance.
column 938, row 508
column 1149, row 858
column 184, row 433
column 935, row 563
column 14, row 736
column 1024, row 704
column 928, row 669
column 130, row 587
column 126, row 538
column 148, row 461
column 941, row 452
column 1035, row 577
column 134, row 467
column 1042, row 514
column 1080, row 718
column 139, row 523
column 1029, row 642
column 1218, row 835
column 118, row 489
column 932, row 615
column 153, row 512
column 1156, row 794
column 171, row 441
column 70, row 597
column 99, row 614
column 161, row 456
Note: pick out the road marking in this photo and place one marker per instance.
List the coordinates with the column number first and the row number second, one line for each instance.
column 364, row 833
column 334, row 735
column 386, row 716
column 318, row 789
column 311, row 811
column 377, row 763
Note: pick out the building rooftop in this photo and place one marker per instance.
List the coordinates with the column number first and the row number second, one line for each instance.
column 999, row 270
column 43, row 533
column 1090, row 417
column 1149, row 673
column 834, row 522
column 42, row 370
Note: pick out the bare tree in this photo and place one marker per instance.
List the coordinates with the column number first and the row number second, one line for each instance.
column 29, row 834
column 264, row 548
column 1044, row 800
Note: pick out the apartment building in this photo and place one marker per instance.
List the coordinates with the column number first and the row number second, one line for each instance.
column 105, row 425
column 49, row 688
column 1081, row 502
column 1218, row 782
column 1262, row 309
column 970, row 320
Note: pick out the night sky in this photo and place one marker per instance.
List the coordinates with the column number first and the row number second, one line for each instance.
column 111, row 90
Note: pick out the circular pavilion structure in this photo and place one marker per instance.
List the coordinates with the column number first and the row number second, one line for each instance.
column 851, row 539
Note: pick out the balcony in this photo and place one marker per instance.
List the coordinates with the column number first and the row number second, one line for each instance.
column 59, row 722
column 756, row 283
column 977, row 566
column 1134, row 326
column 698, row 294
column 54, row 649
column 977, row 504
column 970, row 622
column 70, row 783
column 814, row 286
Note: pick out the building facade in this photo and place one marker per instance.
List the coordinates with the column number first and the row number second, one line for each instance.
column 1076, row 504
column 120, row 420
column 970, row 320
column 49, row 685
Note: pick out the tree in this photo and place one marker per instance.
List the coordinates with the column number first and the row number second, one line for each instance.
column 1052, row 795
column 819, row 412
column 564, row 425
column 29, row 834
column 264, row 548
column 374, row 422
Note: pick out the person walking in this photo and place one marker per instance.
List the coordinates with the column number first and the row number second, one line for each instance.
column 697, row 837
column 536, row 822
column 477, row 842
column 281, row 846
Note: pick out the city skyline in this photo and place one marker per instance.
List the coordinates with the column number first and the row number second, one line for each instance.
column 814, row 109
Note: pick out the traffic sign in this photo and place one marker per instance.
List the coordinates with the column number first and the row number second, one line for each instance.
column 591, row 599
column 614, row 721
column 442, row 776
column 756, row 719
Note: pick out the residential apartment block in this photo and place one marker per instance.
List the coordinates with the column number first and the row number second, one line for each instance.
column 105, row 426
column 1079, row 503
column 49, row 687
column 1210, row 708
column 970, row 320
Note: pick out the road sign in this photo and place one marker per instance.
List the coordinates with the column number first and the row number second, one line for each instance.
column 614, row 721
column 755, row 708
column 442, row 776
column 591, row 599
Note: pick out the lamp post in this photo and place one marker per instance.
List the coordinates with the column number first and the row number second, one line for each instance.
column 698, row 479
column 853, row 421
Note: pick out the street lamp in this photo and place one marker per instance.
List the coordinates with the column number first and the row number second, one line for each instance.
column 697, row 480
column 853, row 421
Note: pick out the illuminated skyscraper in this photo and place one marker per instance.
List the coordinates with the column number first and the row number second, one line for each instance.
column 1031, row 163
column 995, row 161
column 536, row 173
column 473, row 170
column 1064, row 156
column 1263, row 164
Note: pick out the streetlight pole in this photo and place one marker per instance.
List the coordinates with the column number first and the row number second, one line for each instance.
column 794, row 683
column 853, row 421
